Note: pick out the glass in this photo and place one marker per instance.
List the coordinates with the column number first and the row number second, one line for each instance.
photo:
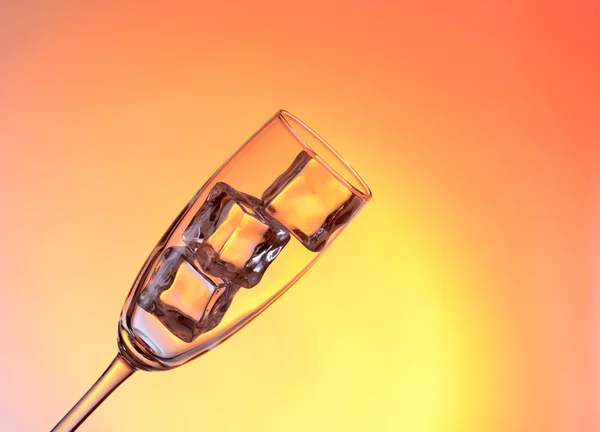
column 254, row 228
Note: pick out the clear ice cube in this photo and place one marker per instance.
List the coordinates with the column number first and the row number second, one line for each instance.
column 233, row 238
column 310, row 201
column 183, row 298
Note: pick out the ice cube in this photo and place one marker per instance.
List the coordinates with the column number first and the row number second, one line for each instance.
column 218, row 305
column 233, row 238
column 310, row 201
column 185, row 300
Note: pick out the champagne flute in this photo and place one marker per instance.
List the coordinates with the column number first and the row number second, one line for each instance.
column 254, row 228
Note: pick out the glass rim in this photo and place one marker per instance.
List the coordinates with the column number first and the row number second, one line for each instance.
column 360, row 188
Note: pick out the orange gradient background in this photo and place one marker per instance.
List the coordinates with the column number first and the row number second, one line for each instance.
column 462, row 298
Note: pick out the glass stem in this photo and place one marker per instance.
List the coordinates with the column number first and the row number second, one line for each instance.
column 117, row 372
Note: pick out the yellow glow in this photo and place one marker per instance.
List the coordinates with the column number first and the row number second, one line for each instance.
column 460, row 299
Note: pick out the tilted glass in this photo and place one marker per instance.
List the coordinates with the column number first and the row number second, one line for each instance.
column 254, row 228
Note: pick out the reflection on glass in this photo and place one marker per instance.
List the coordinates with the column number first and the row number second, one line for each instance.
column 250, row 232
